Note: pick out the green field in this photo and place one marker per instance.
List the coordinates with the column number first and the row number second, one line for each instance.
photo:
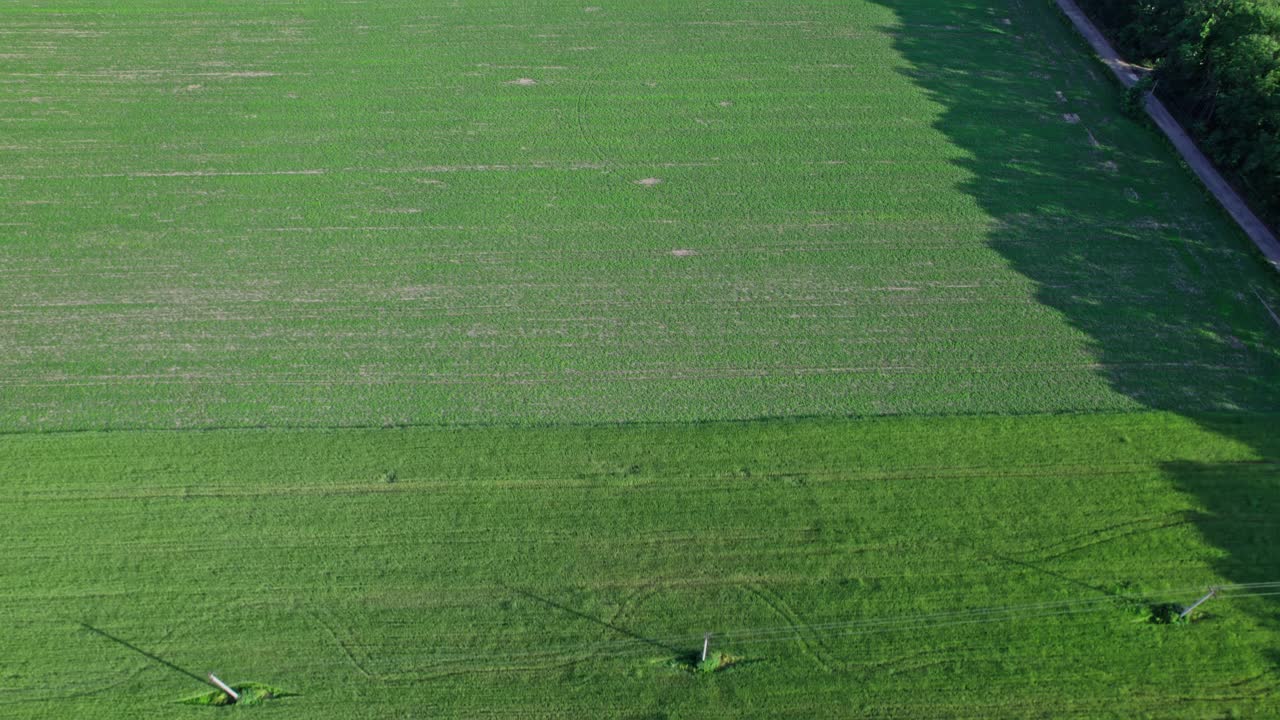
column 461, row 359
column 885, row 568
column 347, row 214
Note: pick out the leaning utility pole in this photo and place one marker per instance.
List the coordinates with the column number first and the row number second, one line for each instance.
column 1212, row 591
column 224, row 687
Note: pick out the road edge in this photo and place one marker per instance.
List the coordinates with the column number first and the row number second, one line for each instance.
column 1222, row 191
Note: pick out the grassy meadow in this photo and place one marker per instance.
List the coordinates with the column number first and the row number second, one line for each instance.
column 955, row 567
column 461, row 359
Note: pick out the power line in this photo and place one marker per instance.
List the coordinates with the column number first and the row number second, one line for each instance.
column 868, row 626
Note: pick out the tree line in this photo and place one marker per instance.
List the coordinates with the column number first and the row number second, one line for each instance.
column 1217, row 66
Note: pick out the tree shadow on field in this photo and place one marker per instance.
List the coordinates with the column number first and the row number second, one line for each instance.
column 1240, row 514
column 1094, row 208
column 1239, row 506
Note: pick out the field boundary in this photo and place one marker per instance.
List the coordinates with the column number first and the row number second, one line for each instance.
column 1221, row 190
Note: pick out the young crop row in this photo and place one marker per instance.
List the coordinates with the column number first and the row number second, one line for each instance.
column 366, row 216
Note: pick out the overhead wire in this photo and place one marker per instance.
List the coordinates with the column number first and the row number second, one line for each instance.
column 867, row 626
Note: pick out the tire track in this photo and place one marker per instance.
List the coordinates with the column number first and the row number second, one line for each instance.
column 811, row 647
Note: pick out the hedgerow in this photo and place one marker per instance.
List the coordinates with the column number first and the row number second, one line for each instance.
column 1217, row 62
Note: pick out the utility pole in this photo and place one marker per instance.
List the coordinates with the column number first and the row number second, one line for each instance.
column 235, row 696
column 1212, row 591
column 706, row 645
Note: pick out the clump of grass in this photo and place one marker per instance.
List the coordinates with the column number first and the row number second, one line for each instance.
column 715, row 662
column 1167, row 614
column 251, row 693
column 1145, row 610
column 693, row 663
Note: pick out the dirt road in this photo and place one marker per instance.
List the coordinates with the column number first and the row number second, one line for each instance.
column 1212, row 179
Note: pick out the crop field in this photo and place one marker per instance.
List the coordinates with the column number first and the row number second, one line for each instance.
column 415, row 358
column 866, row 568
column 323, row 214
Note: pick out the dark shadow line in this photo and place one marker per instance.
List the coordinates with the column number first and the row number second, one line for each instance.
column 143, row 653
column 603, row 623
column 1036, row 568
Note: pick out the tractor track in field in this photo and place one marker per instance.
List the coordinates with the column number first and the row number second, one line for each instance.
column 812, row 646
